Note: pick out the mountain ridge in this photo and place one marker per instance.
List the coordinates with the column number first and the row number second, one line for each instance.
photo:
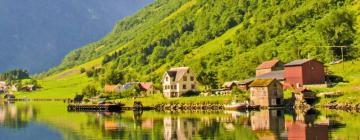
column 229, row 37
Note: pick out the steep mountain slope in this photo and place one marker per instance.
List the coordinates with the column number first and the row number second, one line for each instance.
column 229, row 37
column 36, row 35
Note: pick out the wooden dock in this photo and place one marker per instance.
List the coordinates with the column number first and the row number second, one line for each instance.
column 103, row 108
column 95, row 108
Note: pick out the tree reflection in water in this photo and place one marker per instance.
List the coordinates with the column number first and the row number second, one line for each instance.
column 16, row 117
column 223, row 125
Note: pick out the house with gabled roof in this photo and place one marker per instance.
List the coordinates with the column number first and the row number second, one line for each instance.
column 112, row 88
column 303, row 72
column 148, row 87
column 178, row 81
column 269, row 66
column 266, row 92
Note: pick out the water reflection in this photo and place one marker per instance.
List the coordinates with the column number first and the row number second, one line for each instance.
column 227, row 125
column 268, row 124
column 12, row 116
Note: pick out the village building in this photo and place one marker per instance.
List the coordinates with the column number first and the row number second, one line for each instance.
column 278, row 75
column 245, row 84
column 266, row 92
column 147, row 87
column 112, row 88
column 178, row 81
column 230, row 85
column 303, row 72
column 269, row 66
column 3, row 86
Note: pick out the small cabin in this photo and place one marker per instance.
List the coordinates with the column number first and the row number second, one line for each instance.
column 266, row 92
column 147, row 87
column 112, row 88
column 230, row 85
column 245, row 84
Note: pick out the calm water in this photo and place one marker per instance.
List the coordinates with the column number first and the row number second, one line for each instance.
column 50, row 120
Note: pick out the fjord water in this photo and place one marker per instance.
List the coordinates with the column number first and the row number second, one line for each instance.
column 50, row 120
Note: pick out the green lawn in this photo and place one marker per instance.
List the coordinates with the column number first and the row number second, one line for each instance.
column 350, row 71
column 61, row 88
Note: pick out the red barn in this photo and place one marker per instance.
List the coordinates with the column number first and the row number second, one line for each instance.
column 304, row 72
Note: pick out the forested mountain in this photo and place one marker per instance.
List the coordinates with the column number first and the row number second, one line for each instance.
column 37, row 34
column 227, row 37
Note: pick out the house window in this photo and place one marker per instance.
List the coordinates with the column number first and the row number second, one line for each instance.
column 184, row 78
column 193, row 86
column 175, row 86
column 192, row 78
column 167, row 79
column 184, row 86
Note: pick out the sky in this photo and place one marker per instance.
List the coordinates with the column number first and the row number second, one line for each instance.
column 37, row 34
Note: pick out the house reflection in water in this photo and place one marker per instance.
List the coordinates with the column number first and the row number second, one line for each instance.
column 180, row 129
column 304, row 128
column 268, row 124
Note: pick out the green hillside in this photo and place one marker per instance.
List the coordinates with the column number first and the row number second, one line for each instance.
column 228, row 37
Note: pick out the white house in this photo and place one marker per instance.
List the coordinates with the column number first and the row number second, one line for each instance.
column 178, row 81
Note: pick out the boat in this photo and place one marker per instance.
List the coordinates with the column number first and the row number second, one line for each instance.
column 235, row 105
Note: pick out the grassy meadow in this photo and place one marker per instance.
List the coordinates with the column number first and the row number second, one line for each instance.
column 58, row 88
column 350, row 71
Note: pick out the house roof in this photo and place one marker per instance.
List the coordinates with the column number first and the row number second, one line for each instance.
column 267, row 64
column 129, row 85
column 229, row 84
column 278, row 75
column 146, row 86
column 111, row 87
column 246, row 81
column 261, row 82
column 178, row 73
column 298, row 62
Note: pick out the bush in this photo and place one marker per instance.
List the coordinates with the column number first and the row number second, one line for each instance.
column 90, row 73
column 236, row 91
column 90, row 91
column 82, row 70
column 191, row 93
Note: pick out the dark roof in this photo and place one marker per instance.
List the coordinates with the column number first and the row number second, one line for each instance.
column 298, row 62
column 229, row 84
column 262, row 82
column 267, row 64
column 246, row 81
column 278, row 75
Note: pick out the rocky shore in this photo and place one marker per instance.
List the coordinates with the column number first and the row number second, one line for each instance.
column 205, row 106
column 345, row 106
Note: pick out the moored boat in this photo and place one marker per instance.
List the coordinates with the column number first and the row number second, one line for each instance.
column 235, row 105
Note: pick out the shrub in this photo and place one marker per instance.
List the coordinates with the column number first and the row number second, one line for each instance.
column 191, row 93
column 90, row 91
column 82, row 70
